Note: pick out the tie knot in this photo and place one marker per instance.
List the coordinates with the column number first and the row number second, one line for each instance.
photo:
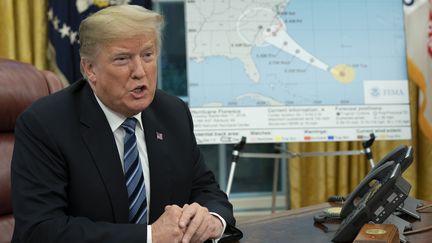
column 129, row 125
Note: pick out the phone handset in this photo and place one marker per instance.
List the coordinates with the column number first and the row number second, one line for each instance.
column 378, row 203
column 398, row 155
column 407, row 159
column 378, row 174
column 402, row 155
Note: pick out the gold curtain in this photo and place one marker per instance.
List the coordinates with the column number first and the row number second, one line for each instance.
column 313, row 179
column 424, row 143
column 23, row 28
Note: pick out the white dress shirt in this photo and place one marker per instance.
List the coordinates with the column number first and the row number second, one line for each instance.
column 115, row 120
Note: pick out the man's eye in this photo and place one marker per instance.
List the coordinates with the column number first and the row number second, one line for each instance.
column 120, row 60
column 148, row 56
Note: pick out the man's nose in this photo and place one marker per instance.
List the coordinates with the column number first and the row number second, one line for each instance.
column 138, row 71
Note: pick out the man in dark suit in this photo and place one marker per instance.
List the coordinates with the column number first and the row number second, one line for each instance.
column 110, row 158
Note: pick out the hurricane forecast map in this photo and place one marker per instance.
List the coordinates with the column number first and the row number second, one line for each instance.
column 297, row 70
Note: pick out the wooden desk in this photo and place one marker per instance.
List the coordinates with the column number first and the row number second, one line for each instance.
column 297, row 226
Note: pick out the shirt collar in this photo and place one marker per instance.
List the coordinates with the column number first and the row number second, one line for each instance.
column 115, row 119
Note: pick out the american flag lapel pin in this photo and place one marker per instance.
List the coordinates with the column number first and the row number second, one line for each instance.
column 159, row 136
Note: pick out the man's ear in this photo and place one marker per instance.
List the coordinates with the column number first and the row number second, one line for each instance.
column 88, row 69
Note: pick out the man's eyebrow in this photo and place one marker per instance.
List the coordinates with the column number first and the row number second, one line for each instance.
column 148, row 47
column 148, row 44
column 120, row 53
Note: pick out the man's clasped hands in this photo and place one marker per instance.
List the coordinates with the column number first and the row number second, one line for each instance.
column 191, row 223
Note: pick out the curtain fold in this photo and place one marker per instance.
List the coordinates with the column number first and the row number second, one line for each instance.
column 7, row 28
column 23, row 27
column 424, row 168
column 40, row 33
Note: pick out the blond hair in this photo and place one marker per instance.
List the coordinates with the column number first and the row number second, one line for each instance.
column 118, row 22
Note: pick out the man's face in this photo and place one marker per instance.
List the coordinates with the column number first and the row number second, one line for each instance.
column 123, row 74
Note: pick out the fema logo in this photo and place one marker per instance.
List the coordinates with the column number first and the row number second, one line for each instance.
column 375, row 92
column 378, row 92
column 385, row 91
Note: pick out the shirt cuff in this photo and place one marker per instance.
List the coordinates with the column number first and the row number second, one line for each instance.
column 223, row 226
column 149, row 234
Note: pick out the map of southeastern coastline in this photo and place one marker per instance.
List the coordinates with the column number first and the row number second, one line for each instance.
column 291, row 52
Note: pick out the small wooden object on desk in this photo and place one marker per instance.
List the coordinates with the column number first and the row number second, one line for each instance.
column 378, row 233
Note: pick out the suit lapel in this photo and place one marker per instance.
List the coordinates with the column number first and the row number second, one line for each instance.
column 160, row 171
column 99, row 139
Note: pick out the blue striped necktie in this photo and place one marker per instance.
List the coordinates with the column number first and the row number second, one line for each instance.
column 134, row 175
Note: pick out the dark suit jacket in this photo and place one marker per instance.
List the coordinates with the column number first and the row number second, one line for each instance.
column 67, row 180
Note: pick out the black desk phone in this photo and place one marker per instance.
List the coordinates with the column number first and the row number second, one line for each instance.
column 377, row 196
column 402, row 155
